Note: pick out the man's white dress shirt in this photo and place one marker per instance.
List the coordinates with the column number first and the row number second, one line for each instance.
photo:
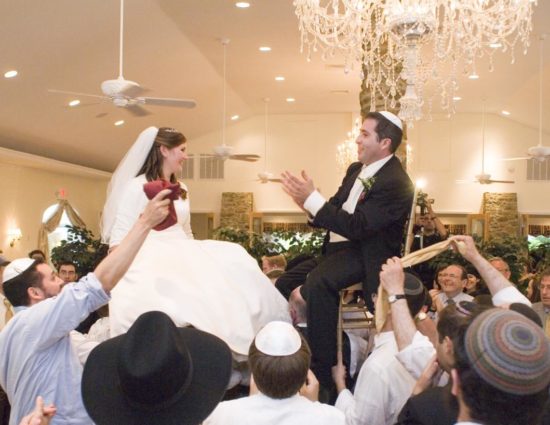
column 260, row 409
column 315, row 201
column 382, row 388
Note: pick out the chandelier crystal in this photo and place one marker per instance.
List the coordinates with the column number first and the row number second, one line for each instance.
column 412, row 50
column 346, row 152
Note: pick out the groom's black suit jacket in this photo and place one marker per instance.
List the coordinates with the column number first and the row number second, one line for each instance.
column 377, row 224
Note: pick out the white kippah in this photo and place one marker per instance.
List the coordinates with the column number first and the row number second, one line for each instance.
column 16, row 267
column 278, row 339
column 393, row 118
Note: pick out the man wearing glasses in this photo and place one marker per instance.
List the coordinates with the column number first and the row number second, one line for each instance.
column 453, row 280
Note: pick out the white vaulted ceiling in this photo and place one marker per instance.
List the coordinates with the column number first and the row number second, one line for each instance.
column 172, row 47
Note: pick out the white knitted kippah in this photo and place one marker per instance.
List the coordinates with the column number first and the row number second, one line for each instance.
column 278, row 339
column 393, row 118
column 16, row 267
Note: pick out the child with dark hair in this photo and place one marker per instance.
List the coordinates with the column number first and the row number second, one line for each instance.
column 283, row 389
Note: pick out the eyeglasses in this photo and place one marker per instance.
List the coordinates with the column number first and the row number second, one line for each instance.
column 452, row 276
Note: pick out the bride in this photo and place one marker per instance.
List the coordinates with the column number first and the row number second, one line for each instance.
column 212, row 285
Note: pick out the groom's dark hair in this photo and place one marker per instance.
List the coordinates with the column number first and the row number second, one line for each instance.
column 386, row 130
column 152, row 167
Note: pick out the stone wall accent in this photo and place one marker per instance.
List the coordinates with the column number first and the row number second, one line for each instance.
column 236, row 210
column 501, row 210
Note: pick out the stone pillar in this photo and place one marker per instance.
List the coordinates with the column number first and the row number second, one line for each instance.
column 236, row 210
column 501, row 210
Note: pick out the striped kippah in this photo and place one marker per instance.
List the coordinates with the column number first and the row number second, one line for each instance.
column 509, row 352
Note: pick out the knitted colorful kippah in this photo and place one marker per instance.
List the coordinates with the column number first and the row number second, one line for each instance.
column 509, row 352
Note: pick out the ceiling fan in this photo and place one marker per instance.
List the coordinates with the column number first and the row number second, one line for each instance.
column 265, row 176
column 224, row 151
column 483, row 177
column 538, row 152
column 127, row 94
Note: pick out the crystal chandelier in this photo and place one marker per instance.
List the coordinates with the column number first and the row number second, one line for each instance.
column 346, row 152
column 411, row 50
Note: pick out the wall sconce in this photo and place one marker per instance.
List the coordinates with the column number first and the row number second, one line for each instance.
column 14, row 235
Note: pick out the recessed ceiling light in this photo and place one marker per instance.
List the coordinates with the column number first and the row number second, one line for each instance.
column 234, row 118
column 265, row 49
column 495, row 45
column 473, row 76
column 242, row 4
column 11, row 74
column 457, row 98
column 119, row 123
column 290, row 99
column 505, row 113
column 75, row 102
column 279, row 78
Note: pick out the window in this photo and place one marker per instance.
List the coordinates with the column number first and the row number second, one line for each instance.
column 59, row 234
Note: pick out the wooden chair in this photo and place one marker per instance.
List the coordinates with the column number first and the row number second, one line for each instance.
column 361, row 318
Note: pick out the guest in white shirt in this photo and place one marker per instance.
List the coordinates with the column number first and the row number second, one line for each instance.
column 384, row 385
column 283, row 389
column 503, row 292
column 502, row 370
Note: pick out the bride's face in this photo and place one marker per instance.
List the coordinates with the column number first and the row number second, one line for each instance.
column 173, row 159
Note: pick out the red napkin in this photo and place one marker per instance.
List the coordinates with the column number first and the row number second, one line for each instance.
column 154, row 187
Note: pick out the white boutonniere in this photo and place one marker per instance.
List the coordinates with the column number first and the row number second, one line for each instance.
column 367, row 186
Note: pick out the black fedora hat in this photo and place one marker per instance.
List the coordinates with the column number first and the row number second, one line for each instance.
column 156, row 373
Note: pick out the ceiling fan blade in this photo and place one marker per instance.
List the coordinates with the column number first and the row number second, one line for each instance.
column 82, row 105
column 166, row 101
column 102, row 114
column 245, row 157
column 518, row 158
column 137, row 110
column 276, row 180
column 134, row 91
column 500, row 181
column 465, row 181
column 76, row 93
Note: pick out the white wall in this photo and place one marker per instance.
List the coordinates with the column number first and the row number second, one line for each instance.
column 295, row 142
column 445, row 150
column 26, row 192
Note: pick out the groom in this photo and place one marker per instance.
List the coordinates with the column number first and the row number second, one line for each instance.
column 365, row 220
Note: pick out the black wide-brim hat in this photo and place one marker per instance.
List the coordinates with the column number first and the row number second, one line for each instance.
column 156, row 374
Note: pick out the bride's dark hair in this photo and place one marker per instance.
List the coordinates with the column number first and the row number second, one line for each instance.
column 152, row 167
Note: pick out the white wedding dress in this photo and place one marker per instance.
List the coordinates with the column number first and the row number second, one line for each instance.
column 214, row 286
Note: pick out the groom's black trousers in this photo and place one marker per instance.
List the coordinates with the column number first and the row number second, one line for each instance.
column 340, row 267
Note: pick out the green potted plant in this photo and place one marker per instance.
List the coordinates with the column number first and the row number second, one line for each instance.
column 81, row 248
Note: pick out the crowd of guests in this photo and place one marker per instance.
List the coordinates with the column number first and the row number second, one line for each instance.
column 464, row 347
column 479, row 363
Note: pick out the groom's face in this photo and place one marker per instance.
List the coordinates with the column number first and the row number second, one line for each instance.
column 369, row 147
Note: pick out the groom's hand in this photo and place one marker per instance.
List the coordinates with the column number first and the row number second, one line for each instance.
column 298, row 189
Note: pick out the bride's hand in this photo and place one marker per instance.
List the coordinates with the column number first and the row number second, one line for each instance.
column 157, row 209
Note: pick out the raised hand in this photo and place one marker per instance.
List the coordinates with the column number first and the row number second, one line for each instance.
column 426, row 380
column 41, row 414
column 157, row 209
column 310, row 389
column 298, row 189
column 392, row 277
column 339, row 376
column 466, row 246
